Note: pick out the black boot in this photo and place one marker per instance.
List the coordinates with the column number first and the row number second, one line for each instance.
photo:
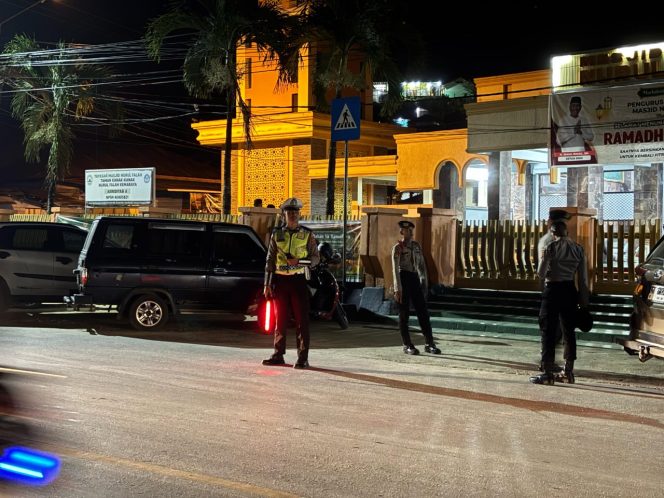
column 568, row 372
column 546, row 378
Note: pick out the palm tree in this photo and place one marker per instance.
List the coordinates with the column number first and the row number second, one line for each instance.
column 49, row 94
column 214, row 29
column 344, row 32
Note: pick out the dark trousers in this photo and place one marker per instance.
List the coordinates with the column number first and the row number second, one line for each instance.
column 411, row 290
column 292, row 296
column 558, row 309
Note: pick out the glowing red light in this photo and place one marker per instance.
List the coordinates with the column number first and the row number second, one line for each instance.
column 267, row 323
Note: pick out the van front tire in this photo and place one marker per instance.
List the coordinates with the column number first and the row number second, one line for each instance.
column 148, row 312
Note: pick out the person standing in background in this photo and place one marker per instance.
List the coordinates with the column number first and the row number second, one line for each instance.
column 410, row 277
column 563, row 260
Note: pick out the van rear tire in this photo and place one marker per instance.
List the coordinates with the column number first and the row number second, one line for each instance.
column 148, row 312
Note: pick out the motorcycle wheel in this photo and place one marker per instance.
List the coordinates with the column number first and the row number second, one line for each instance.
column 340, row 316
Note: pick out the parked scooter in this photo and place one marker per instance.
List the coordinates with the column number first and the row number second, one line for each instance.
column 325, row 299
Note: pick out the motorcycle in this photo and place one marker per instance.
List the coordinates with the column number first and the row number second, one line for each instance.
column 325, row 299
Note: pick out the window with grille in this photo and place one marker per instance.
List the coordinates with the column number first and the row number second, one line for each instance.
column 618, row 188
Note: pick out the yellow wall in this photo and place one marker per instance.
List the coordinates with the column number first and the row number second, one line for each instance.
column 420, row 156
column 512, row 86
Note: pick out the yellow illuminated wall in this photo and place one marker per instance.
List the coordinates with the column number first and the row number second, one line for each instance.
column 513, row 86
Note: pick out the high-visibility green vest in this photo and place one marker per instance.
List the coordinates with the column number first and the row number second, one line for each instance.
column 293, row 244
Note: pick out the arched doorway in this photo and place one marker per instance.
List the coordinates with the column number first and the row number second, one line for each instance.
column 476, row 186
column 448, row 194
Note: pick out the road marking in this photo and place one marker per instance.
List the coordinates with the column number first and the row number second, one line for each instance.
column 169, row 472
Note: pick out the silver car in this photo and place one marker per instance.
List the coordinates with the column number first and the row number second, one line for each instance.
column 37, row 262
column 647, row 321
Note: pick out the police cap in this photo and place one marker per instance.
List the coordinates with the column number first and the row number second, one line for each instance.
column 291, row 204
column 406, row 224
column 559, row 214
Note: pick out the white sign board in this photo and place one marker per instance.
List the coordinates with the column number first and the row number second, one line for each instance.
column 618, row 125
column 120, row 187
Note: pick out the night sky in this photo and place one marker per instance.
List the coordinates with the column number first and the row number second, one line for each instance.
column 463, row 40
column 466, row 39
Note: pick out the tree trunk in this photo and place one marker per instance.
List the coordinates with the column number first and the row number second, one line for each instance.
column 228, row 148
column 50, row 194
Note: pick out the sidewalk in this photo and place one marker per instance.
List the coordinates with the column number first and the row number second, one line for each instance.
column 490, row 352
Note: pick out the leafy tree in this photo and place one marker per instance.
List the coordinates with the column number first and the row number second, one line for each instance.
column 213, row 30
column 52, row 89
column 346, row 31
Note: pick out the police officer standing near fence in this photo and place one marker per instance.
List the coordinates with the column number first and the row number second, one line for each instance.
column 292, row 249
column 562, row 260
column 409, row 273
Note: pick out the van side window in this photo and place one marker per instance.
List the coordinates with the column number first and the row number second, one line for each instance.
column 119, row 237
column 167, row 241
column 72, row 241
column 236, row 248
column 31, row 239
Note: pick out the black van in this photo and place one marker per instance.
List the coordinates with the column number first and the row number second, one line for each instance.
column 646, row 336
column 153, row 268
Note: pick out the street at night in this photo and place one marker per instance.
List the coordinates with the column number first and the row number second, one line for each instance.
column 190, row 411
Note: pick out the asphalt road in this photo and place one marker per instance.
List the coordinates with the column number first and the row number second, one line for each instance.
column 191, row 412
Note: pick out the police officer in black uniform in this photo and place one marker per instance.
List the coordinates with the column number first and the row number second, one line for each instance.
column 562, row 260
column 292, row 249
column 409, row 273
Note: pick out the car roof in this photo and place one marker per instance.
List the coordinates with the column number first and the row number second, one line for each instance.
column 174, row 220
column 38, row 224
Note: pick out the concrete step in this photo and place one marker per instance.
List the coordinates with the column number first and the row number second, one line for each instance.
column 619, row 320
column 602, row 334
column 516, row 312
column 600, row 313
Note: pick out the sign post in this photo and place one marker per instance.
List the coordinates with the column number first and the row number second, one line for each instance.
column 345, row 126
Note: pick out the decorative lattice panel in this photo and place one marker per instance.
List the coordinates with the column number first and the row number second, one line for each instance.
column 266, row 176
column 339, row 197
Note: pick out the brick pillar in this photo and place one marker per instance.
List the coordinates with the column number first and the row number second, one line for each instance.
column 423, row 235
column 493, row 187
column 581, row 229
column 262, row 220
column 505, row 187
column 380, row 231
column 443, row 247
column 648, row 192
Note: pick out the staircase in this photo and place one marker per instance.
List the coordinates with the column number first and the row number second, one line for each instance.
column 494, row 313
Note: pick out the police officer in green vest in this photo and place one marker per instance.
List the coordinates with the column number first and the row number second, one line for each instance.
column 292, row 249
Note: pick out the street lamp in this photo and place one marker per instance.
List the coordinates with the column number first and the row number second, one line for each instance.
column 21, row 12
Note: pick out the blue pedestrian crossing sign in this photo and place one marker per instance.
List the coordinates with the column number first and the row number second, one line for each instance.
column 345, row 119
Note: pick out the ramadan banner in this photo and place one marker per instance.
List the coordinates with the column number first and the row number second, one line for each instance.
column 619, row 125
